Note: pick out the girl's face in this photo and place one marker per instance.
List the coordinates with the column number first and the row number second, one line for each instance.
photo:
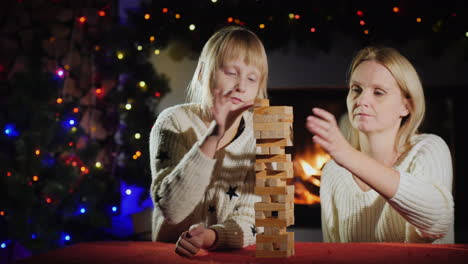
column 375, row 102
column 242, row 79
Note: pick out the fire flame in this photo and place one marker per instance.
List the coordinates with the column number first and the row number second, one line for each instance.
column 308, row 173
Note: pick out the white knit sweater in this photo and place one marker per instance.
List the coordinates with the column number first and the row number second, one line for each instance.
column 190, row 188
column 420, row 211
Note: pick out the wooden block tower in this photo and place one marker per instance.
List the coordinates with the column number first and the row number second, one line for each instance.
column 273, row 132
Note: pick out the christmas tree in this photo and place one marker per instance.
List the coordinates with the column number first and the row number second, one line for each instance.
column 77, row 103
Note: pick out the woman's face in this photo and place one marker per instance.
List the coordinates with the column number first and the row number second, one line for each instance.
column 242, row 79
column 375, row 102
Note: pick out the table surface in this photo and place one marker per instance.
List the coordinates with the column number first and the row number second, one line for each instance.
column 306, row 252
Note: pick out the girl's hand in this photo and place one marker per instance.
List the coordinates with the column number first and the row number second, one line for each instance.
column 224, row 111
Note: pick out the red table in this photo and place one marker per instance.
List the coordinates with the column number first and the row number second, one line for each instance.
column 154, row 252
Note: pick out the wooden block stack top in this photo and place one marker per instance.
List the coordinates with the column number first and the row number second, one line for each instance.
column 273, row 166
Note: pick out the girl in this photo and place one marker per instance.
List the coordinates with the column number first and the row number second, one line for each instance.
column 202, row 153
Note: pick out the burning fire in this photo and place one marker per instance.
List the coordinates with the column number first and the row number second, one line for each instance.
column 308, row 169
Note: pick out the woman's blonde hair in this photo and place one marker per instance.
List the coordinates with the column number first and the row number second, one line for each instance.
column 410, row 85
column 228, row 43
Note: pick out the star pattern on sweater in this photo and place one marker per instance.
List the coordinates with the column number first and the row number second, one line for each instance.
column 232, row 192
column 162, row 156
column 254, row 230
column 211, row 209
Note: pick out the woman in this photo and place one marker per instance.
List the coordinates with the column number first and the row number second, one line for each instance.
column 386, row 182
column 202, row 153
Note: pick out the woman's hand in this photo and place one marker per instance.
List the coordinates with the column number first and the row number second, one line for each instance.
column 196, row 238
column 224, row 111
column 327, row 133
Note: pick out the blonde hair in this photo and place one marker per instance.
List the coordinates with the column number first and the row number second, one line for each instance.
column 228, row 43
column 410, row 86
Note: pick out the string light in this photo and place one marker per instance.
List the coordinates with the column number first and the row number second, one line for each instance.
column 157, row 94
column 2, row 213
column 362, row 22
column 73, row 129
column 97, row 48
column 82, row 19
column 35, row 178
column 165, row 10
column 147, row 16
column 192, row 27
column 83, row 210
column 140, row 48
column 214, row 1
column 291, row 16
column 152, row 38
column 262, row 26
column 48, row 200
column 76, row 110
column 3, row 245
column 10, row 130
column 177, row 16
column 37, row 152
column 137, row 135
column 366, row 31
column 230, row 19
column 114, row 208
column 418, row 20
column 8, row 174
column 138, row 153
column 71, row 122
column 360, row 13
column 466, row 34
column 128, row 192
column 102, row 13
column 156, row 52
column 128, row 106
column 67, row 237
column 70, row 144
column 33, row 236
column 297, row 16
column 312, row 29
column 396, row 9
column 120, row 55
column 98, row 91
column 98, row 164
column 83, row 168
column 59, row 100
column 60, row 72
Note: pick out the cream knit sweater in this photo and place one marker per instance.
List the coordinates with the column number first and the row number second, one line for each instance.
column 190, row 188
column 420, row 211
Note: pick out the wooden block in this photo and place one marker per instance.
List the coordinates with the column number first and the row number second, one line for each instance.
column 261, row 103
column 271, row 110
column 262, row 150
column 275, row 166
column 270, row 190
column 284, row 198
column 271, row 222
column 266, row 198
column 275, row 134
column 286, row 214
column 274, row 183
column 257, row 134
column 269, row 174
column 272, row 238
column 274, row 230
column 260, row 182
column 267, row 142
column 273, row 127
column 273, row 158
column 277, row 150
column 272, row 206
column 282, row 118
column 259, row 214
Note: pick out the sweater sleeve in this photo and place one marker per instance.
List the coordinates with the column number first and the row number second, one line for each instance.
column 180, row 171
column 239, row 229
column 328, row 207
column 424, row 195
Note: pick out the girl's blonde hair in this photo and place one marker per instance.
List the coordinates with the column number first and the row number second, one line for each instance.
column 410, row 85
column 229, row 43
